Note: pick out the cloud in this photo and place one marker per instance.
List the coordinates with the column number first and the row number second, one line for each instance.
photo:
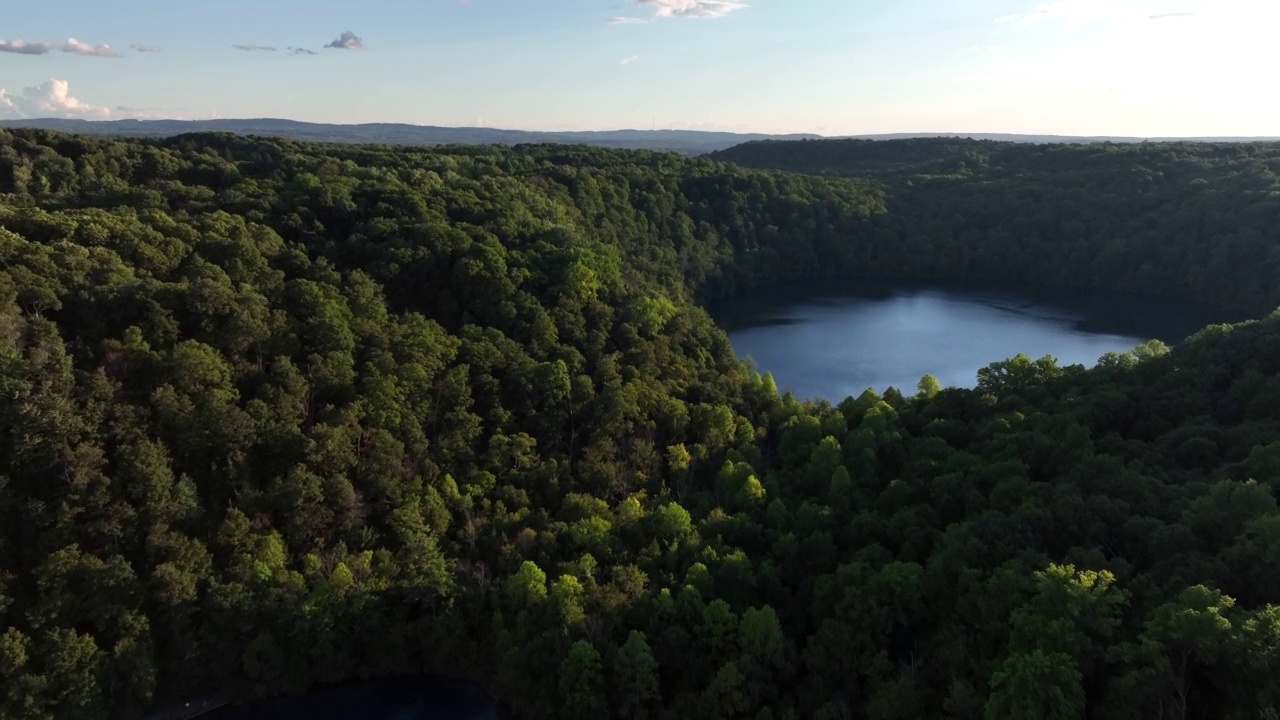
column 249, row 47
column 140, row 113
column 1089, row 11
column 691, row 8
column 25, row 48
column 347, row 41
column 624, row 20
column 629, row 60
column 52, row 99
column 72, row 45
column 144, row 48
column 1069, row 10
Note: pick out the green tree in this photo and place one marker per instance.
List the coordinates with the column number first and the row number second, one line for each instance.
column 1038, row 686
column 582, row 683
column 635, row 678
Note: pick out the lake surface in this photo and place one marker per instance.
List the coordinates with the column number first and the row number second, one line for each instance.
column 425, row 699
column 833, row 339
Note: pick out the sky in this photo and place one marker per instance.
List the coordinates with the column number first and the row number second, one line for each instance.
column 834, row 67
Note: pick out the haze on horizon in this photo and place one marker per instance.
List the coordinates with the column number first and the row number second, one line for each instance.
column 835, row 67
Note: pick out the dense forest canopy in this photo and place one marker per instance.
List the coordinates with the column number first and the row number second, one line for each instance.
column 1195, row 220
column 275, row 414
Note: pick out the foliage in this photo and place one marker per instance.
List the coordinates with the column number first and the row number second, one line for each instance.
column 1178, row 219
column 277, row 414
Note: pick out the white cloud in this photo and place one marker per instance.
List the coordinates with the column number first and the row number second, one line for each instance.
column 347, row 41
column 1110, row 13
column 691, row 8
column 1095, row 11
column 144, row 48
column 629, row 60
column 141, row 113
column 626, row 20
column 1072, row 10
column 72, row 45
column 52, row 99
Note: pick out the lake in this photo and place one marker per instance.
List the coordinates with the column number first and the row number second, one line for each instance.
column 833, row 339
column 425, row 699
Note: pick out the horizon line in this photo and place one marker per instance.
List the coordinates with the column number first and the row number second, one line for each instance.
column 810, row 134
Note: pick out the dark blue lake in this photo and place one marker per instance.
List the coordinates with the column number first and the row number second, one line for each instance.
column 834, row 339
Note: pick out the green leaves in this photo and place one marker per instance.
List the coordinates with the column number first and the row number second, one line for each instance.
column 1038, row 685
column 1016, row 375
column 738, row 488
column 635, row 678
column 582, row 684
column 528, row 585
column 231, row 424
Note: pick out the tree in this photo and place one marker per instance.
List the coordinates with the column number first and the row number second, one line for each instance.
column 928, row 387
column 302, row 413
column 1016, row 375
column 582, row 683
column 1037, row 686
column 726, row 696
column 1195, row 628
column 635, row 678
column 528, row 585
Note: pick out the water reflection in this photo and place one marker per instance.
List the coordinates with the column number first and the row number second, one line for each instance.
column 835, row 339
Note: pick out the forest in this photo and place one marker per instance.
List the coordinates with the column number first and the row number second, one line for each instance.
column 1193, row 220
column 689, row 142
column 275, row 414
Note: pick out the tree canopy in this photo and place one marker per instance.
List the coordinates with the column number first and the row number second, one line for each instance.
column 277, row 414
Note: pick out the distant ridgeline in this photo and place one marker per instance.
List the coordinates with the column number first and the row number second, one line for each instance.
column 274, row 414
column 1198, row 220
column 692, row 142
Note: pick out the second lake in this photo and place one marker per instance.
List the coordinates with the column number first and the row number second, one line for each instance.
column 833, row 339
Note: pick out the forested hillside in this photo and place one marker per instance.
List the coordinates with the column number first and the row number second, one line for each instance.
column 692, row 142
column 1189, row 219
column 275, row 414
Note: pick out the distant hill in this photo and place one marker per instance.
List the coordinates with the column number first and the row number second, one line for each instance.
column 689, row 142
column 892, row 160
column 1052, row 139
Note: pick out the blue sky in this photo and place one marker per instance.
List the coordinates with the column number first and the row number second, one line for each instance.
column 1125, row 67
